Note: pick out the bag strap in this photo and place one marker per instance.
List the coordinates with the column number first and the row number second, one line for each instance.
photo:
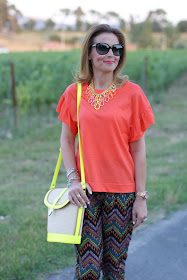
column 79, row 90
column 53, row 184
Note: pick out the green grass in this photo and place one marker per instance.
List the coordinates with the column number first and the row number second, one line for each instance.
column 166, row 152
column 27, row 164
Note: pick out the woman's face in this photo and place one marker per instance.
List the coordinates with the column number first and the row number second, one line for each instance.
column 108, row 62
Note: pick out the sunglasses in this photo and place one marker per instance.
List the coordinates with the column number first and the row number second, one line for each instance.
column 103, row 48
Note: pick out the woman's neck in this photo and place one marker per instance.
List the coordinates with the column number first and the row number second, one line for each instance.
column 102, row 82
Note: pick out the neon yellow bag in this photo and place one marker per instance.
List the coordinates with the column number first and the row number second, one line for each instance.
column 64, row 218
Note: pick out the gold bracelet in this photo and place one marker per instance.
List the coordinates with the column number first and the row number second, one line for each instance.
column 144, row 195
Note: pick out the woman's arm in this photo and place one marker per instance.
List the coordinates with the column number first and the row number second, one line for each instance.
column 138, row 152
column 68, row 155
column 68, row 147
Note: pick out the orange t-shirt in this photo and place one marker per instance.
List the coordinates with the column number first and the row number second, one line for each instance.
column 106, row 133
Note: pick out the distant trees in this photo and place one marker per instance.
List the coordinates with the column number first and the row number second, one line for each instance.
column 79, row 23
column 83, row 21
column 30, row 24
column 141, row 33
column 156, row 21
column 144, row 33
column 65, row 14
column 3, row 13
column 49, row 24
column 171, row 34
column 66, row 11
column 95, row 16
column 182, row 26
column 8, row 17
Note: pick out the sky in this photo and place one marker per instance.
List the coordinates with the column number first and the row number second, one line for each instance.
column 176, row 11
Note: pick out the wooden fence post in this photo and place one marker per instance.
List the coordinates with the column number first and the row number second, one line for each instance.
column 14, row 99
column 146, row 61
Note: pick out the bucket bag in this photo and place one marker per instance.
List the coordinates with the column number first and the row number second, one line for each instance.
column 64, row 223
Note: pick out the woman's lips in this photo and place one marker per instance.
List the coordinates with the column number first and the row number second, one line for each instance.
column 109, row 62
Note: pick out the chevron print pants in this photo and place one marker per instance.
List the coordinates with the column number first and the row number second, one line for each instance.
column 107, row 231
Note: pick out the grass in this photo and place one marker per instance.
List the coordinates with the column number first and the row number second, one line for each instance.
column 27, row 164
column 166, row 152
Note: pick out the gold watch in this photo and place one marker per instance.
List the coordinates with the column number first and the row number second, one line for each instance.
column 144, row 195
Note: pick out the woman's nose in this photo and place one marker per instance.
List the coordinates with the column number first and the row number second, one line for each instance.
column 110, row 52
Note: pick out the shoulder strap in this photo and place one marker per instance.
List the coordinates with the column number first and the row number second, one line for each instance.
column 53, row 184
column 79, row 90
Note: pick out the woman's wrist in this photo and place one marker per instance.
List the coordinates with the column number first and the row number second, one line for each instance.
column 71, row 172
column 75, row 179
column 72, row 176
column 142, row 195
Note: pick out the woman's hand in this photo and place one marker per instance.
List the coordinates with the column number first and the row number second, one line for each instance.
column 76, row 194
column 139, row 211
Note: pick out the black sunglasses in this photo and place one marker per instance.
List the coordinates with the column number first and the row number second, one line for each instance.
column 103, row 48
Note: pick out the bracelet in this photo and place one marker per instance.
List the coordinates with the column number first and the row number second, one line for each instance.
column 70, row 180
column 144, row 194
column 71, row 171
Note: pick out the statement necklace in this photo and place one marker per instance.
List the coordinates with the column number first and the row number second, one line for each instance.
column 97, row 100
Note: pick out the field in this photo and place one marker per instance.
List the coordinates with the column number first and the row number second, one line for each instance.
column 35, row 41
column 29, row 155
column 39, row 40
column 41, row 76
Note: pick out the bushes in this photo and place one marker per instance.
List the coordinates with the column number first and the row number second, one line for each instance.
column 55, row 38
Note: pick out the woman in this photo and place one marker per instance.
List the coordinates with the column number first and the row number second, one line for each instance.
column 114, row 114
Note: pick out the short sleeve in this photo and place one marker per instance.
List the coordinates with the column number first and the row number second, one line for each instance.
column 142, row 115
column 67, row 108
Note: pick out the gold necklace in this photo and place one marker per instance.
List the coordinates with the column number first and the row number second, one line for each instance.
column 98, row 100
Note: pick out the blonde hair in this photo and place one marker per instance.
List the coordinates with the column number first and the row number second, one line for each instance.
column 85, row 73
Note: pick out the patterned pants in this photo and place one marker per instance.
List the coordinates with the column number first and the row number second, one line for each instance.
column 106, row 234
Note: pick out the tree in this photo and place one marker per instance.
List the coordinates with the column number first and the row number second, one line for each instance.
column 13, row 13
column 94, row 18
column 112, row 15
column 30, row 25
column 8, row 16
column 132, row 20
column 3, row 13
column 172, row 35
column 145, row 37
column 95, row 14
column 49, row 24
column 65, row 14
column 122, row 25
column 141, row 33
column 113, row 18
column 79, row 13
column 158, row 20
column 66, row 11
column 182, row 26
